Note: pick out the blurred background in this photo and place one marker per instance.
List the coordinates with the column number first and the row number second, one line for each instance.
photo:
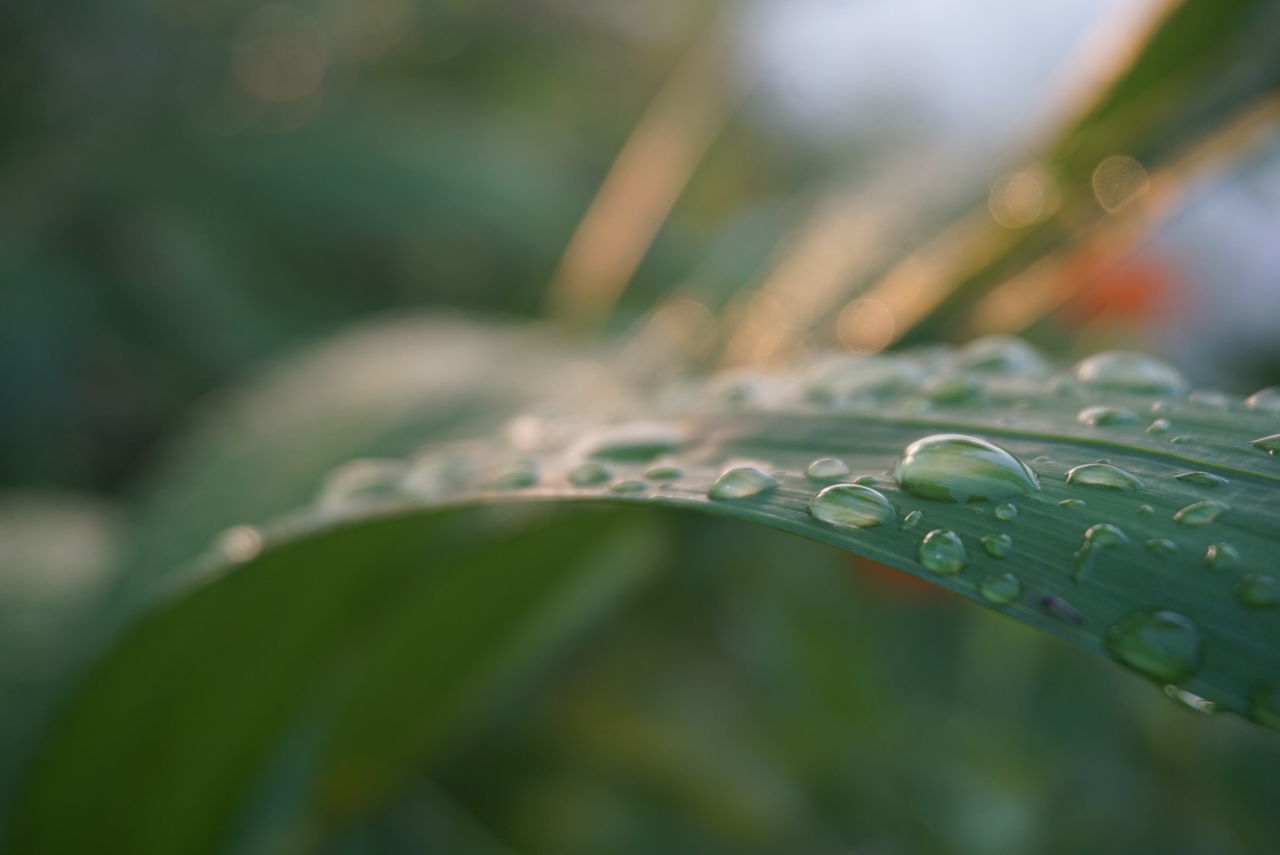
column 242, row 242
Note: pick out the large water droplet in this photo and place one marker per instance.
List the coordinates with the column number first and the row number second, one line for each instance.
column 1162, row 644
column 997, row 545
column 827, row 469
column 1258, row 591
column 1266, row 400
column 1221, row 556
column 1101, row 415
column 1269, row 444
column 942, row 552
column 741, row 482
column 1125, row 371
column 959, row 468
column 1000, row 588
column 636, row 441
column 1001, row 354
column 1204, row 479
column 589, row 472
column 1200, row 513
column 1006, row 512
column 1103, row 475
column 1265, row 705
column 852, row 505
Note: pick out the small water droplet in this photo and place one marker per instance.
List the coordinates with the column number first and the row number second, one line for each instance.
column 741, row 482
column 952, row 389
column 629, row 485
column 827, row 469
column 1209, row 398
column 1183, row 439
column 589, row 472
column 1190, row 700
column 635, row 441
column 852, row 505
column 523, row 473
column 1041, row 459
column 1126, row 371
column 1101, row 415
column 1000, row 588
column 1221, row 556
column 997, row 545
column 664, row 472
column 1204, row 479
column 1162, row 644
column 1001, row 354
column 1073, row 503
column 1200, row 513
column 1258, row 591
column 1096, row 538
column 1269, row 444
column 1006, row 512
column 1103, row 475
column 1159, row 426
column 867, row 480
column 240, row 543
column 360, row 483
column 1062, row 610
column 1161, row 546
column 1265, row 400
column 959, row 468
column 1264, row 707
column 1146, row 510
column 942, row 552
column 912, row 519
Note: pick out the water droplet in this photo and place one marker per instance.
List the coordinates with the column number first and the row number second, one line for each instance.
column 1006, row 512
column 635, row 441
column 1162, row 644
column 1101, row 415
column 952, row 389
column 589, row 472
column 1096, row 538
column 1190, row 699
column 1210, row 398
column 1258, row 591
column 1103, row 475
column 1182, row 440
column 741, row 482
column 1269, row 444
column 959, row 468
column 1062, row 610
column 1200, row 513
column 1072, row 503
column 997, row 545
column 1001, row 354
column 1204, row 479
column 1126, row 371
column 827, row 469
column 240, row 543
column 867, row 480
column 912, row 519
column 942, row 552
column 523, row 473
column 664, row 472
column 1221, row 556
column 1159, row 426
column 1161, row 546
column 1265, row 705
column 361, row 482
column 629, row 485
column 852, row 505
column 1146, row 510
column 1265, row 400
column 1041, row 459
column 1000, row 588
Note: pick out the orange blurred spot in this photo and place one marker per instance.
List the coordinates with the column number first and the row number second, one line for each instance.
column 895, row 583
column 1141, row 290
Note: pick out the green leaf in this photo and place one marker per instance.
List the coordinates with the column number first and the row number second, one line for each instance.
column 1106, row 506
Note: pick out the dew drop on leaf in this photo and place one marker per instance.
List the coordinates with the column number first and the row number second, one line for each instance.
column 1221, row 556
column 1000, row 588
column 942, row 552
column 1183, row 439
column 1073, row 503
column 1200, row 513
column 1146, row 510
column 1209, row 398
column 1101, row 415
column 1269, row 444
column 852, row 506
column 960, row 468
column 1001, row 354
column 1164, row 645
column 1265, row 400
column 589, row 472
column 912, row 519
column 636, row 441
column 1096, row 538
column 1159, row 426
column 1258, row 591
column 1006, row 512
column 521, row 474
column 1103, row 475
column 629, row 485
column 1125, row 371
column 361, row 482
column 997, row 545
column 1161, row 546
column 664, row 472
column 827, row 469
column 741, row 482
column 1204, row 479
